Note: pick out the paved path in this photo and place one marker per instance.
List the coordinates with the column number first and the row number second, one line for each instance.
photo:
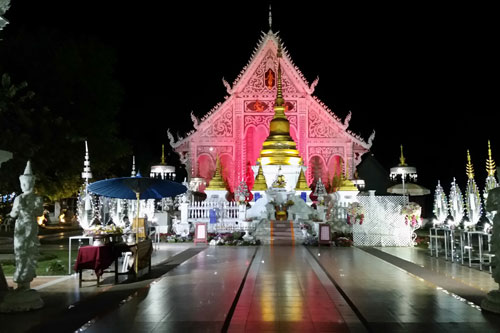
column 389, row 298
column 273, row 288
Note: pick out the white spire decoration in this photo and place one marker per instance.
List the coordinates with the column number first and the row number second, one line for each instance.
column 440, row 205
column 85, row 214
column 491, row 180
column 472, row 197
column 87, row 173
column 133, row 173
column 456, row 203
column 270, row 19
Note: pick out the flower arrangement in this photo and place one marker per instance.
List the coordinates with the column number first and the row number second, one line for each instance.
column 343, row 242
column 355, row 213
column 412, row 212
column 104, row 230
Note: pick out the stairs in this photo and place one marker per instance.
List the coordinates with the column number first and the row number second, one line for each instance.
column 273, row 232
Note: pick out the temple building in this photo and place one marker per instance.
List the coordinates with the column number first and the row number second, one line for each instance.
column 236, row 132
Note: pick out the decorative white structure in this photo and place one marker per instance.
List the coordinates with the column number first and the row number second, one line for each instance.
column 320, row 191
column 404, row 171
column 456, row 204
column 26, row 208
column 440, row 205
column 383, row 224
column 162, row 170
column 491, row 181
column 492, row 300
column 85, row 205
column 472, row 197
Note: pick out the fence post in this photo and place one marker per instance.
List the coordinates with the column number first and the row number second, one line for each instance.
column 184, row 212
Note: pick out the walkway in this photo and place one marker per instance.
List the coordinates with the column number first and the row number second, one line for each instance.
column 275, row 288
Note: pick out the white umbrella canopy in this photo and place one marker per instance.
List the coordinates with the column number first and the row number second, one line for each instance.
column 411, row 189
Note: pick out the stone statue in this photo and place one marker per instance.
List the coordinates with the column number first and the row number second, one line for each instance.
column 492, row 300
column 26, row 208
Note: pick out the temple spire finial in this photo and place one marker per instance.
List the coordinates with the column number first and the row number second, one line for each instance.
column 162, row 154
column 279, row 95
column 469, row 168
column 402, row 158
column 270, row 18
column 133, row 173
column 490, row 163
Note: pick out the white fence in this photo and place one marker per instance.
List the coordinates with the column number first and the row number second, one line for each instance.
column 383, row 224
column 225, row 216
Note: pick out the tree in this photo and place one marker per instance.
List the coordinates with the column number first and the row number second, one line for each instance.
column 74, row 78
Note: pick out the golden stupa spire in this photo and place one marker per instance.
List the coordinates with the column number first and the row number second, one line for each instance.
column 469, row 168
column 490, row 163
column 260, row 181
column 402, row 158
column 279, row 94
column 302, row 182
column 217, row 183
column 279, row 147
column 162, row 154
column 345, row 183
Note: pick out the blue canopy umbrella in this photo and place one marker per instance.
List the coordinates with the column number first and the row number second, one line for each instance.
column 136, row 188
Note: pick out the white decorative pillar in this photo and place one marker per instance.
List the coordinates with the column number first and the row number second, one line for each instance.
column 184, row 212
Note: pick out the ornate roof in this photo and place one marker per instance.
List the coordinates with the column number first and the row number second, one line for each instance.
column 268, row 44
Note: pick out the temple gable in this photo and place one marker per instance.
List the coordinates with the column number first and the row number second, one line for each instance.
column 236, row 129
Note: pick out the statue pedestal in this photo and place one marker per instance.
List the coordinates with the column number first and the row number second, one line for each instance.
column 21, row 300
column 492, row 302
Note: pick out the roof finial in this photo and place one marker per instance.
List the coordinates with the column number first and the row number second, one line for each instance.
column 469, row 168
column 490, row 163
column 402, row 158
column 279, row 95
column 133, row 173
column 162, row 154
column 270, row 18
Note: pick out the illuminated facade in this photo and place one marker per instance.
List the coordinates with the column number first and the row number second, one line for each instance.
column 236, row 129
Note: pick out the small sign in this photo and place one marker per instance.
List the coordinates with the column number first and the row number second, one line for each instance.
column 212, row 213
column 200, row 233
column 256, row 196
column 324, row 234
column 303, row 196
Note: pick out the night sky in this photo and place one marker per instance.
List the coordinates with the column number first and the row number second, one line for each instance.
column 424, row 77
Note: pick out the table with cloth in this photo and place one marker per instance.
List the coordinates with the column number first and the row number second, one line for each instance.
column 99, row 258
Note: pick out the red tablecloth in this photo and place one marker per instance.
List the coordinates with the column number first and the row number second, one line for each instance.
column 97, row 258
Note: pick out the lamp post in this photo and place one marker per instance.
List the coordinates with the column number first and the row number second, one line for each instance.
column 403, row 170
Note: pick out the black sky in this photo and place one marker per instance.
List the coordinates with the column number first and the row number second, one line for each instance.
column 422, row 76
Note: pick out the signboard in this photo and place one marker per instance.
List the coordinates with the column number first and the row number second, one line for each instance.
column 324, row 234
column 139, row 227
column 200, row 233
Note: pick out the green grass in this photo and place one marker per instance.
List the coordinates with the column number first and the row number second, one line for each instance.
column 50, row 262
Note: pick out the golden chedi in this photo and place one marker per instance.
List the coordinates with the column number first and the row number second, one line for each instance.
column 279, row 147
column 260, row 181
column 217, row 183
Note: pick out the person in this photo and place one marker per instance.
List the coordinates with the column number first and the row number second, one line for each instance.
column 26, row 208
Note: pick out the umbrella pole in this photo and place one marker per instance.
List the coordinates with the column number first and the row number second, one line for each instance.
column 137, row 195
